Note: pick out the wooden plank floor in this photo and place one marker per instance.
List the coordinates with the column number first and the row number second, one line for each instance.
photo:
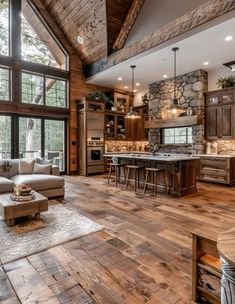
column 142, row 256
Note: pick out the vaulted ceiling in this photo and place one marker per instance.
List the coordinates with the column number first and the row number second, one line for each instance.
column 98, row 22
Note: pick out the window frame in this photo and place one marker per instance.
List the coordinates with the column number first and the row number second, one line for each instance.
column 182, row 143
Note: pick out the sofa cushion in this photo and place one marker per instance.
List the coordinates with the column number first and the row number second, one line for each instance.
column 26, row 166
column 42, row 161
column 42, row 169
column 6, row 185
column 39, row 182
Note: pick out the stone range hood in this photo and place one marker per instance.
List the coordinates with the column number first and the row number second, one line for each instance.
column 190, row 93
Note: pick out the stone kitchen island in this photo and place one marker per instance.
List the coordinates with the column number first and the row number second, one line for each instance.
column 180, row 169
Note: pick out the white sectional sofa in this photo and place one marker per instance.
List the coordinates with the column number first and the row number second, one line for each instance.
column 49, row 185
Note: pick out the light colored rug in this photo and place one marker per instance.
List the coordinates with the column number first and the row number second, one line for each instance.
column 58, row 225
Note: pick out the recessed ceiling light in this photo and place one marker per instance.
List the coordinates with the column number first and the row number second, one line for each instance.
column 206, row 63
column 119, row 78
column 125, row 87
column 137, row 84
column 228, row 38
column 165, row 76
column 80, row 40
column 135, row 91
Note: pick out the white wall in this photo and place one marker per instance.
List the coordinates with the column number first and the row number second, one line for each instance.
column 137, row 99
column 215, row 74
column 156, row 13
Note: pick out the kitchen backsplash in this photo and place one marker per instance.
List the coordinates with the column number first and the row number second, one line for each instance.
column 190, row 89
column 115, row 146
column 225, row 146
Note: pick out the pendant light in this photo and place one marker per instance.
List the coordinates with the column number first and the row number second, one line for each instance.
column 132, row 114
column 175, row 108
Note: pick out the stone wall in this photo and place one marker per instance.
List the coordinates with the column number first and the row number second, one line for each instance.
column 190, row 89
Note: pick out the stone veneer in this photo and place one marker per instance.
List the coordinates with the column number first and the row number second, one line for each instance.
column 190, row 89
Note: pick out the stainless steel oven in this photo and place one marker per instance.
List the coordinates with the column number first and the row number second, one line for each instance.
column 95, row 155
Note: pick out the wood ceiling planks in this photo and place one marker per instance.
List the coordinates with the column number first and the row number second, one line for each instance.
column 86, row 18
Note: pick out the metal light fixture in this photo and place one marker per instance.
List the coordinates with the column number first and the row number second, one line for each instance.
column 132, row 114
column 175, row 107
column 230, row 65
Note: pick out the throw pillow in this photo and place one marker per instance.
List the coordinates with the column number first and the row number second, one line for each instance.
column 42, row 161
column 42, row 169
column 26, row 166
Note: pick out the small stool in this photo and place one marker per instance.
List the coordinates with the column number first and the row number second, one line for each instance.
column 136, row 170
column 117, row 172
column 155, row 172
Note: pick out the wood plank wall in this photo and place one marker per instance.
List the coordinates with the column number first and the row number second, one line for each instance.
column 78, row 89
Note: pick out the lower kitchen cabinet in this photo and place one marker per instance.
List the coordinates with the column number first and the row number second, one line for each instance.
column 217, row 169
column 206, row 270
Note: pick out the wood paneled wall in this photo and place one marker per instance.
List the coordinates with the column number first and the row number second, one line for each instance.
column 78, row 89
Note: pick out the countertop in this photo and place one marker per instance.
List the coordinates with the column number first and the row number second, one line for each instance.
column 226, row 246
column 158, row 157
column 216, row 155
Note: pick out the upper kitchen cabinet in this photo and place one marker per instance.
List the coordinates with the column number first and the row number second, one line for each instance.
column 220, row 109
column 121, row 100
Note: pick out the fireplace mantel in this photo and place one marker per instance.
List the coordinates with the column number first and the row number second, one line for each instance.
column 172, row 122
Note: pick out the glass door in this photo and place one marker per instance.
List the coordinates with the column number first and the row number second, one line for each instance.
column 5, row 137
column 121, row 128
column 30, row 137
column 109, row 126
column 54, row 136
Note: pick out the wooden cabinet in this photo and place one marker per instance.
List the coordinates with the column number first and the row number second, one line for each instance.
column 115, row 125
column 119, row 128
column 121, row 99
column 220, row 114
column 217, row 169
column 206, row 269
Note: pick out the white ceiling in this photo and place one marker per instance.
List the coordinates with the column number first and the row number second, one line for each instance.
column 208, row 45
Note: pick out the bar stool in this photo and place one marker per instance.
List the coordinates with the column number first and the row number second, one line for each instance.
column 136, row 170
column 155, row 172
column 117, row 170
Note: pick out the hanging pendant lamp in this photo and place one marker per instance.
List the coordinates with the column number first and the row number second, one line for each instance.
column 175, row 107
column 132, row 114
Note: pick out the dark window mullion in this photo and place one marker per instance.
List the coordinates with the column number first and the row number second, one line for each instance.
column 43, row 137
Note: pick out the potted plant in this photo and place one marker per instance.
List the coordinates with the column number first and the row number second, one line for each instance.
column 101, row 95
column 226, row 82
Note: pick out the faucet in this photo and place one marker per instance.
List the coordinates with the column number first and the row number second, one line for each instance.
column 155, row 149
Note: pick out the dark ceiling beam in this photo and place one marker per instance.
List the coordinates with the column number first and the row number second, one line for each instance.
column 128, row 23
column 189, row 21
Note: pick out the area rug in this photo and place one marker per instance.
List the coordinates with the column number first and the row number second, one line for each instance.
column 58, row 225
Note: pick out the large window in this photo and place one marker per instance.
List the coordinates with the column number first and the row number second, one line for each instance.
column 177, row 135
column 5, row 137
column 55, row 142
column 4, row 84
column 33, row 71
column 37, row 44
column 29, row 137
column 32, row 88
column 4, row 27
column 56, row 92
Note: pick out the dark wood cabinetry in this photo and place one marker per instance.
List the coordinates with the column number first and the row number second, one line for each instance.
column 117, row 127
column 220, row 109
column 206, row 269
column 217, row 169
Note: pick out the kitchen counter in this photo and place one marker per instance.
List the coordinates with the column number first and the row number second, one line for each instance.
column 158, row 157
column 216, row 155
column 180, row 169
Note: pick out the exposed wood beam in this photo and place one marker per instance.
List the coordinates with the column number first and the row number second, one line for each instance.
column 189, row 21
column 128, row 23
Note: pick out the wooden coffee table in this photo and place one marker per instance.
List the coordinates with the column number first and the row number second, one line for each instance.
column 10, row 210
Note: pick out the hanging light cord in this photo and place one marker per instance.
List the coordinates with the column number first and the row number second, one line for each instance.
column 132, row 84
column 175, row 73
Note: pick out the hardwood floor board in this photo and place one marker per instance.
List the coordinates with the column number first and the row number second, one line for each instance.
column 30, row 287
column 7, row 294
column 142, row 256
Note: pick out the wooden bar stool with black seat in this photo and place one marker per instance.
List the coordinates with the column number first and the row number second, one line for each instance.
column 136, row 170
column 117, row 169
column 155, row 172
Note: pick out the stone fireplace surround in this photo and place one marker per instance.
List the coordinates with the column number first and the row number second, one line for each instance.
column 190, row 89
